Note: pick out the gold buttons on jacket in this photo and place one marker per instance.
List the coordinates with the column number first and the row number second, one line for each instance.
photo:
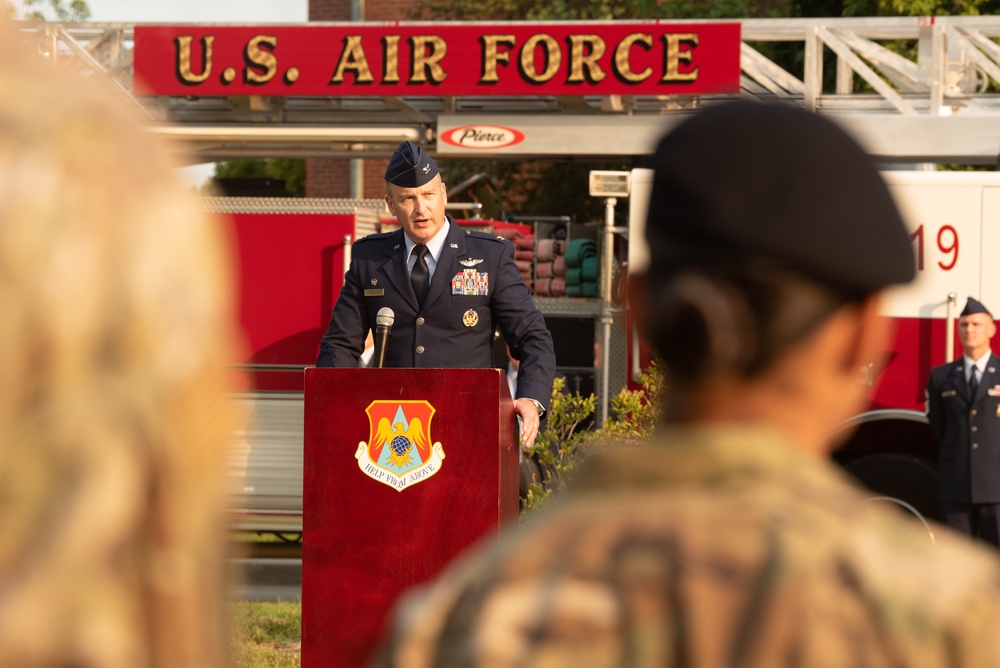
column 975, row 446
column 420, row 320
column 420, row 350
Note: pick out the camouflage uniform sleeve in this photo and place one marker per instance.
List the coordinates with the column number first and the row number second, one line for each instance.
column 780, row 568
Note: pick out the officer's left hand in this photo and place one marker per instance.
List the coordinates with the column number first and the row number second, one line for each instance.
column 525, row 409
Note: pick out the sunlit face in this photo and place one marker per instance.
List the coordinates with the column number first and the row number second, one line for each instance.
column 975, row 331
column 419, row 210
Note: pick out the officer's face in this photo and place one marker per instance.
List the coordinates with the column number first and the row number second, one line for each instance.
column 419, row 210
column 976, row 330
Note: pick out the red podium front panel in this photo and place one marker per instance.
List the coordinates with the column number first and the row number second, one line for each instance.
column 403, row 469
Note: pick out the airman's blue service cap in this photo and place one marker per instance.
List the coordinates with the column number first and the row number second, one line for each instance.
column 410, row 167
column 972, row 306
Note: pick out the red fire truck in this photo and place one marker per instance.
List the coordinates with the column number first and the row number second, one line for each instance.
column 290, row 281
column 954, row 220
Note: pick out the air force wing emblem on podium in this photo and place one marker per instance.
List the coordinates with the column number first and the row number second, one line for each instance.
column 399, row 452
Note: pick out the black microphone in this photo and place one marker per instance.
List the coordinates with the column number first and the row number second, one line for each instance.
column 383, row 323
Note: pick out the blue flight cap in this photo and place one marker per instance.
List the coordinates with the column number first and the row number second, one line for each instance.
column 410, row 167
column 972, row 306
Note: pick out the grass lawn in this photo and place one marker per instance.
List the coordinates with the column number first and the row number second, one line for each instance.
column 266, row 635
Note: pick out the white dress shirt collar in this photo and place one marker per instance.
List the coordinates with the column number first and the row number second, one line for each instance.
column 979, row 363
column 435, row 244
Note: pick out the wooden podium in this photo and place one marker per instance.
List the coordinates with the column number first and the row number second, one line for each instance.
column 403, row 469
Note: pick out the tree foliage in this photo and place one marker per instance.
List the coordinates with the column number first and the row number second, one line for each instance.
column 73, row 11
column 916, row 7
column 291, row 171
column 598, row 10
column 538, row 188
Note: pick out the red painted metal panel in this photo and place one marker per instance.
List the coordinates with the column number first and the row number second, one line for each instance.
column 290, row 274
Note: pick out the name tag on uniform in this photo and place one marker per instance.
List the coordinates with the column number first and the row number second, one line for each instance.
column 946, row 393
column 375, row 293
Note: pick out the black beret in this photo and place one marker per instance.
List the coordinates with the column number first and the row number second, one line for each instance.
column 410, row 167
column 972, row 306
column 766, row 180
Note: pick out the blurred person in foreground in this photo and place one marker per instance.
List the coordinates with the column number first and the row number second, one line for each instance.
column 730, row 539
column 113, row 419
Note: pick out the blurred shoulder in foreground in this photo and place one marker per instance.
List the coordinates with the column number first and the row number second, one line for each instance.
column 117, row 326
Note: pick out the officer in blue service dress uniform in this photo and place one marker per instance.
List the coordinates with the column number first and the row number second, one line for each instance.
column 963, row 407
column 449, row 289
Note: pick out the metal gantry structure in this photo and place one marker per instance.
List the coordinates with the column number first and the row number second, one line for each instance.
column 913, row 89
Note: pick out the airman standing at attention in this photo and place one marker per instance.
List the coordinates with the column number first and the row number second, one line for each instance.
column 963, row 407
column 731, row 539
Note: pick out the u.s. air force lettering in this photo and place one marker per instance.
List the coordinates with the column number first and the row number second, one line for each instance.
column 399, row 452
column 513, row 58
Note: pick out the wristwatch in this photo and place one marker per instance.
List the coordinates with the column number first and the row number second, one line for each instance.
column 538, row 407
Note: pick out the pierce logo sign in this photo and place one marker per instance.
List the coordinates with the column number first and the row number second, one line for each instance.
column 483, row 136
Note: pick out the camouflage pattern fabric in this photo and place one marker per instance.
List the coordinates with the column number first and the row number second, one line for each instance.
column 705, row 549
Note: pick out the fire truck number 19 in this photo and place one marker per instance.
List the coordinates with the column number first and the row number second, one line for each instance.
column 947, row 243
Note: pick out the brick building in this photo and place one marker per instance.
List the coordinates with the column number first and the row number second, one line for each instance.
column 327, row 177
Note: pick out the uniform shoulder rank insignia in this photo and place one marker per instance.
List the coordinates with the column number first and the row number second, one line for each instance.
column 485, row 236
column 470, row 262
column 375, row 236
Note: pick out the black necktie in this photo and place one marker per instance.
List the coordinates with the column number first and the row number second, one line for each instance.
column 419, row 276
column 974, row 381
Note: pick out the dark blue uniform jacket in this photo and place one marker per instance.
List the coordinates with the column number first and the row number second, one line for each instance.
column 475, row 289
column 967, row 430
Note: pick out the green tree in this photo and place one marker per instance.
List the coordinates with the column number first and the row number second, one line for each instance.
column 73, row 11
column 535, row 188
column 598, row 10
column 904, row 7
column 291, row 171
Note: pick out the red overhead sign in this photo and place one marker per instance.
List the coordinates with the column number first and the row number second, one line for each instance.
column 610, row 58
